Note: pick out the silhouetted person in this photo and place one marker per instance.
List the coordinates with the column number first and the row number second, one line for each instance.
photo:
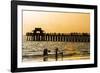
column 45, row 54
column 62, row 55
column 56, row 54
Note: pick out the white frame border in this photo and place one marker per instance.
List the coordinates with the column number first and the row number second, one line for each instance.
column 41, row 64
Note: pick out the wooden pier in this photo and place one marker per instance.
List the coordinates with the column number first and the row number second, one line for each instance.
column 39, row 35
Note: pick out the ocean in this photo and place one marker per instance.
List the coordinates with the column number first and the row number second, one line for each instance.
column 33, row 50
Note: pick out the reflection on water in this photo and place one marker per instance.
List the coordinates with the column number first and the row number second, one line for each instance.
column 33, row 50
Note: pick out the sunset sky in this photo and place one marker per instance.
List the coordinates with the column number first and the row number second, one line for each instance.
column 59, row 22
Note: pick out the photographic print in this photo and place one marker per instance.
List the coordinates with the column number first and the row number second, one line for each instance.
column 54, row 35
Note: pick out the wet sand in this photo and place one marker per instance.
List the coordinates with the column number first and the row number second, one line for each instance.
column 39, row 58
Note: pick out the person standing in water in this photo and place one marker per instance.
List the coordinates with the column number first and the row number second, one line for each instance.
column 62, row 55
column 56, row 54
column 45, row 55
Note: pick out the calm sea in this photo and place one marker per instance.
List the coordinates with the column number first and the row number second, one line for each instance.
column 33, row 50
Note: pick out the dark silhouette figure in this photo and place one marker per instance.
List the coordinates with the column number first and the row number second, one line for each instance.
column 56, row 54
column 62, row 55
column 45, row 54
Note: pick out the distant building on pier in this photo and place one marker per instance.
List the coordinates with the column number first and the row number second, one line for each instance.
column 39, row 35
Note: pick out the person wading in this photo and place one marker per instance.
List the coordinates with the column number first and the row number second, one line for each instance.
column 56, row 54
column 45, row 55
column 62, row 55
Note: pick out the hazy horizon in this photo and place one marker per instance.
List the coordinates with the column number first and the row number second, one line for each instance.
column 58, row 22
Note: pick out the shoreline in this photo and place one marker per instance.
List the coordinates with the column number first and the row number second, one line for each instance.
column 65, row 58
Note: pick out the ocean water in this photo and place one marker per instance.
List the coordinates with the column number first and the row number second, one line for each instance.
column 33, row 50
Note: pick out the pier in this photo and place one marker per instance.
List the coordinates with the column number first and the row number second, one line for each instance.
column 39, row 35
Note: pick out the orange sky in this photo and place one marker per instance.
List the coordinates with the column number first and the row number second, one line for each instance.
column 59, row 22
